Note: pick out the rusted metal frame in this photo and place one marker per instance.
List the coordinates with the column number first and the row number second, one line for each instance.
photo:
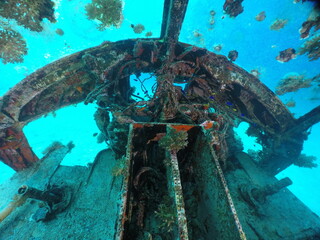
column 218, row 67
column 165, row 18
column 175, row 187
column 173, row 16
column 210, row 64
column 43, row 79
column 228, row 195
column 15, row 150
column 291, row 142
column 172, row 20
column 305, row 122
column 124, row 205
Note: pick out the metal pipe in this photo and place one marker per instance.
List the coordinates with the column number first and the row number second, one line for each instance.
column 260, row 194
column 45, row 196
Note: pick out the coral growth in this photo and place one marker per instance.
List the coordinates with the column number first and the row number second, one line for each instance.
column 292, row 83
column 174, row 140
column 313, row 21
column 120, row 168
column 278, row 24
column 138, row 28
column 166, row 214
column 311, row 48
column 107, row 12
column 308, row 25
column 148, row 34
column 28, row 14
column 13, row 46
column 305, row 161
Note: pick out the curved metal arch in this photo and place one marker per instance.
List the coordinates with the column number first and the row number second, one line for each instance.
column 214, row 80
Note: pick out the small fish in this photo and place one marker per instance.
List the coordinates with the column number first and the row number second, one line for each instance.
column 207, row 124
column 205, row 106
column 180, row 128
column 229, row 103
column 79, row 89
column 10, row 138
column 141, row 109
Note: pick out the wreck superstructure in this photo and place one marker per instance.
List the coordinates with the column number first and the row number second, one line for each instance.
column 179, row 172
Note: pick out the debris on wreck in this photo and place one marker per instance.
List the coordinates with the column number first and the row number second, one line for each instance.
column 292, row 83
column 107, row 12
column 233, row 55
column 261, row 16
column 286, row 55
column 137, row 28
column 311, row 48
column 233, row 7
column 278, row 24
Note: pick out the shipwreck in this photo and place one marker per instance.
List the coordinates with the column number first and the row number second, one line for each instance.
column 173, row 169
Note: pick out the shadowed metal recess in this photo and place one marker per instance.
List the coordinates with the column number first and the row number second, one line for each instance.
column 204, row 188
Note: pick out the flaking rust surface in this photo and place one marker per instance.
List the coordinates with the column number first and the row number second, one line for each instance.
column 91, row 214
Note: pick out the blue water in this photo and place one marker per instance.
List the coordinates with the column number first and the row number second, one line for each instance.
column 257, row 45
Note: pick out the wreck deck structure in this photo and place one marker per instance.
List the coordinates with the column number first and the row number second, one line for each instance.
column 178, row 171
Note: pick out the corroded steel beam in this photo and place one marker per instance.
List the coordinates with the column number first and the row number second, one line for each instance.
column 306, row 121
column 15, row 150
column 173, row 15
